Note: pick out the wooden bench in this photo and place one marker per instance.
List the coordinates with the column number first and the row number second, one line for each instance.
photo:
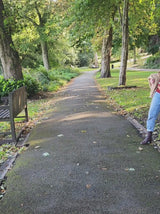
column 17, row 102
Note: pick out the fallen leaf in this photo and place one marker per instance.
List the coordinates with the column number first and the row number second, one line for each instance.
column 140, row 148
column 37, row 147
column 88, row 186
column 45, row 154
column 104, row 168
column 83, row 131
column 60, row 135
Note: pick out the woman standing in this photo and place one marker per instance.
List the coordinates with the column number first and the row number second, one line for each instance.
column 154, row 83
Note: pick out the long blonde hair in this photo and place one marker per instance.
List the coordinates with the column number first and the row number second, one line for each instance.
column 154, row 84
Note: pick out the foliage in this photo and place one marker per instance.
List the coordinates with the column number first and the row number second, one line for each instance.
column 7, row 86
column 41, row 21
column 39, row 80
column 51, row 80
column 154, row 44
column 32, row 85
column 28, row 47
column 153, row 61
column 85, row 54
column 141, row 23
column 61, row 53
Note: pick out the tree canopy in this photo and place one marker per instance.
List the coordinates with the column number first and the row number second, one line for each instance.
column 51, row 32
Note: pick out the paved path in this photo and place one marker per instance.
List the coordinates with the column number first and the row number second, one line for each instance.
column 93, row 164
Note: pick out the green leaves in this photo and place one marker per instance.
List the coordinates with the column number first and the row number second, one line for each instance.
column 7, row 86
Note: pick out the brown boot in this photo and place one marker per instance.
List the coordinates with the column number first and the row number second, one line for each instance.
column 148, row 139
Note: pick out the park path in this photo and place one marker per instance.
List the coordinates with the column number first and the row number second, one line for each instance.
column 83, row 159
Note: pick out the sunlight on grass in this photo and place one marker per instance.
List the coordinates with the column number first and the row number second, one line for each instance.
column 131, row 99
column 83, row 69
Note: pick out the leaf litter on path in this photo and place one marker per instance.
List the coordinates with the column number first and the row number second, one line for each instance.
column 2, row 190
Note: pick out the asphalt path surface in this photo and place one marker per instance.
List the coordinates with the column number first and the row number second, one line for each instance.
column 84, row 159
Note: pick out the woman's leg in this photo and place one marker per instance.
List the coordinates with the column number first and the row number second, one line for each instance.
column 152, row 116
column 153, row 112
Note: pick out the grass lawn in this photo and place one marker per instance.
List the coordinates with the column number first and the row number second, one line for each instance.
column 134, row 101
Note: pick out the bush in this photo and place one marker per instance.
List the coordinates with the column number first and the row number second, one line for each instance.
column 32, row 85
column 84, row 59
column 154, row 44
column 38, row 80
column 51, row 80
column 153, row 61
column 7, row 86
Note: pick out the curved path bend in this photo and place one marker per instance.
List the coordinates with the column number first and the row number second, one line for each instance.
column 84, row 159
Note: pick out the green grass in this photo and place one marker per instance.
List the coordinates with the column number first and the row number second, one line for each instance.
column 134, row 100
column 84, row 69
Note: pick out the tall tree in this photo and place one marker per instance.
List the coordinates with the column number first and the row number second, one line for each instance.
column 106, row 54
column 88, row 20
column 125, row 36
column 44, row 17
column 8, row 55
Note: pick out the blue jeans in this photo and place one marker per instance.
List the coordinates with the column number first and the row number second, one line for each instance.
column 153, row 112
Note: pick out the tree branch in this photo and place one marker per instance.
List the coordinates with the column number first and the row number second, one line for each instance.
column 38, row 13
column 31, row 20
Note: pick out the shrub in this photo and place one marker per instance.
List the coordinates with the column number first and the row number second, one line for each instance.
column 7, row 86
column 153, row 61
column 84, row 59
column 32, row 85
column 37, row 80
column 52, row 79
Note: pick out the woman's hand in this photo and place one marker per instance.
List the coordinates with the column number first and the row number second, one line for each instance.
column 151, row 81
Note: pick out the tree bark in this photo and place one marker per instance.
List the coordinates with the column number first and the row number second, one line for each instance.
column 8, row 55
column 134, row 52
column 106, row 55
column 45, row 54
column 124, row 55
column 96, row 60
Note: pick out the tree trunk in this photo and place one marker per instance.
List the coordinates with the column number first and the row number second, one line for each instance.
column 96, row 60
column 8, row 55
column 124, row 55
column 45, row 54
column 134, row 60
column 106, row 55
